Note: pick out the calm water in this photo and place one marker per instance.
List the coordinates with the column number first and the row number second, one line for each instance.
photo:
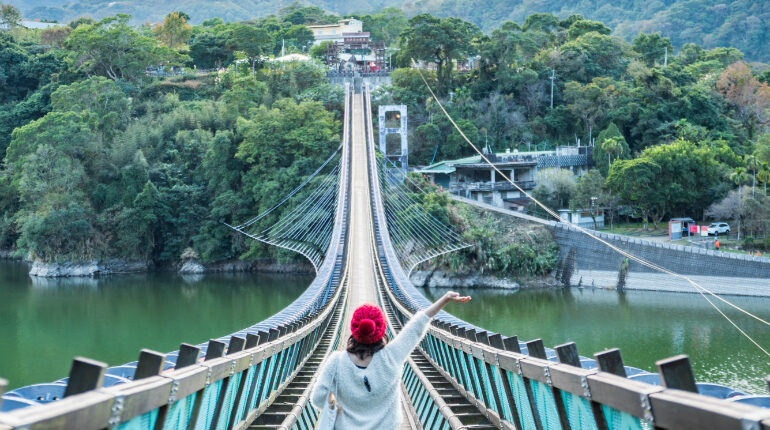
column 646, row 326
column 45, row 323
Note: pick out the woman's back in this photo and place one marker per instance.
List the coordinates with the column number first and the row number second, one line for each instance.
column 369, row 396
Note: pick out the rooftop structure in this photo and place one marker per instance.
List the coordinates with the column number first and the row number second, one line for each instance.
column 473, row 178
column 335, row 32
column 356, row 52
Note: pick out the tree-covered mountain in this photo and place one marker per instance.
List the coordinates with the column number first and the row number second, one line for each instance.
column 742, row 24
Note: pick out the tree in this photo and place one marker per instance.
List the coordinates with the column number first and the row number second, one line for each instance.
column 441, row 41
column 559, row 183
column 690, row 177
column 319, row 51
column 588, row 102
column 752, row 164
column 14, row 81
column 739, row 177
column 634, row 182
column 763, row 175
column 610, row 144
column 250, row 40
column 750, row 97
column 749, row 212
column 83, row 20
column 385, row 25
column 112, row 48
column 583, row 26
column 589, row 56
column 65, row 132
column 55, row 36
column 763, row 147
column 589, row 195
column 175, row 31
column 98, row 98
column 210, row 49
column 545, row 22
column 297, row 36
column 652, row 48
column 10, row 17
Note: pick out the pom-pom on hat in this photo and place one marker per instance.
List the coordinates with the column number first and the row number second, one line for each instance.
column 368, row 324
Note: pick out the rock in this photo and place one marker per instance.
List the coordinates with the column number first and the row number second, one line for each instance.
column 88, row 268
column 192, row 266
column 57, row 270
column 440, row 279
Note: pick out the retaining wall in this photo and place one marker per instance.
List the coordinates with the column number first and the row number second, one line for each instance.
column 686, row 260
column 589, row 262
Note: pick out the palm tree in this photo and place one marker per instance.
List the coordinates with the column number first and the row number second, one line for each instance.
column 739, row 177
column 752, row 162
column 763, row 175
column 612, row 146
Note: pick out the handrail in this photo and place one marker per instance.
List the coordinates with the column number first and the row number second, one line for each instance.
column 526, row 386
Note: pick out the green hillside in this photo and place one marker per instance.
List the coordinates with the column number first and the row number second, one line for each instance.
column 742, row 24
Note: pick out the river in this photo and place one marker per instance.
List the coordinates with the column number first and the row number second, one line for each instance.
column 44, row 323
column 645, row 325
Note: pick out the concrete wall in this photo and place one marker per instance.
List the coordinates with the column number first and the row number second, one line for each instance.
column 685, row 260
column 592, row 263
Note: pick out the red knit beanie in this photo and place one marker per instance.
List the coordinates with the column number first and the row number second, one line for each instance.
column 368, row 324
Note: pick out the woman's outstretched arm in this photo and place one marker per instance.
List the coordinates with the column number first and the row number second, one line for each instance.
column 439, row 304
column 415, row 329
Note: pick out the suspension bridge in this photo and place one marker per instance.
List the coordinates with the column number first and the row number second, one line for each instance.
column 363, row 231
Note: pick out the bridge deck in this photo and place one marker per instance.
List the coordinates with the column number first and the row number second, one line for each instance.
column 362, row 276
column 362, row 285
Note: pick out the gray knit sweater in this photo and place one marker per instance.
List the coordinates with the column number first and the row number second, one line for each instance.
column 377, row 406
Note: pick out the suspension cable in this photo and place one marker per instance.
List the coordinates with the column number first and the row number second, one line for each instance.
column 699, row 288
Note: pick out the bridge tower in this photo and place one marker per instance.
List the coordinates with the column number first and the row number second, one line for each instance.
column 402, row 155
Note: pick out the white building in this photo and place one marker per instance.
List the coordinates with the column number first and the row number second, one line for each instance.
column 473, row 178
column 334, row 32
column 582, row 218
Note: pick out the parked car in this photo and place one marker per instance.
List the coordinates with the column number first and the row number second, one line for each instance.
column 718, row 228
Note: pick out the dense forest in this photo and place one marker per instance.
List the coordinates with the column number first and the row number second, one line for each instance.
column 105, row 157
column 672, row 135
column 742, row 24
column 104, row 161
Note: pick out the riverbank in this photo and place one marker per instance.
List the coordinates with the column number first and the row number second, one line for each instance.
column 442, row 279
column 41, row 269
column 450, row 280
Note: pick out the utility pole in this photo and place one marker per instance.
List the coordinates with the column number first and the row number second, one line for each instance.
column 665, row 58
column 553, row 76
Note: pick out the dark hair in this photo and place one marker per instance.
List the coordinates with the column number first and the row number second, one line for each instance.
column 364, row 350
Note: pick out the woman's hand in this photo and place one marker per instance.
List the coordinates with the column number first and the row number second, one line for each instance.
column 452, row 296
column 332, row 403
column 449, row 296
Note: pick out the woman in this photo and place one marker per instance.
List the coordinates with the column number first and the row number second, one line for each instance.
column 366, row 377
